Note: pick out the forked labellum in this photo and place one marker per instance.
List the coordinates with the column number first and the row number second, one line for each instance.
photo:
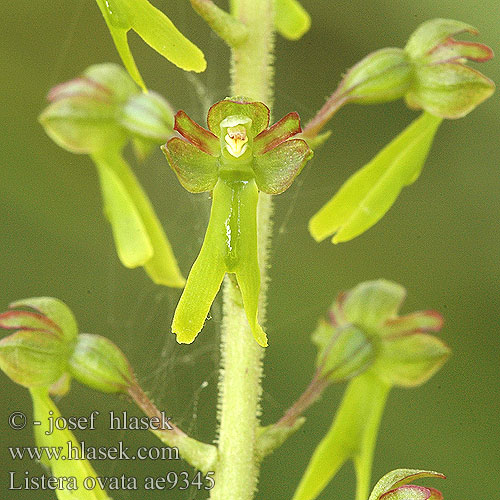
column 238, row 156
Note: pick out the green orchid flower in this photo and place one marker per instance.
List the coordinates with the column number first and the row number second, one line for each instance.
column 236, row 158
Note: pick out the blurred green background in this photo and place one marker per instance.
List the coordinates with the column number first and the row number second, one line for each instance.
column 441, row 240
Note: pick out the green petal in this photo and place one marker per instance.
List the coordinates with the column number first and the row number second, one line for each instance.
column 247, row 266
column 81, row 125
column 100, row 364
column 197, row 171
column 432, row 32
column 139, row 236
column 196, row 135
column 155, row 28
column 371, row 303
column 43, row 409
column 25, row 320
column 131, row 239
column 291, row 19
column 268, row 139
column 258, row 112
column 410, row 361
column 276, row 169
column 114, row 79
column 205, row 277
column 148, row 117
column 368, row 194
column 351, row 436
column 449, row 90
column 55, row 310
column 343, row 352
column 398, row 478
column 417, row 322
column 412, row 492
column 451, row 50
column 33, row 358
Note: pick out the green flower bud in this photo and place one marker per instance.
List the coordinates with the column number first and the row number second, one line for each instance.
column 36, row 355
column 100, row 364
column 442, row 84
column 148, row 116
column 82, row 116
column 33, row 358
column 366, row 333
column 343, row 352
column 382, row 76
column 395, row 486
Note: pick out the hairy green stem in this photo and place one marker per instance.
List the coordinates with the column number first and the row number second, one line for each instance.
column 241, row 357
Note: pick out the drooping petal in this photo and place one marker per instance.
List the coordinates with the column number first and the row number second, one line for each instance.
column 230, row 245
column 417, row 322
column 351, row 436
column 258, row 112
column 65, row 466
column 196, row 135
column 205, row 277
column 291, row 19
column 139, row 236
column 369, row 193
column 246, row 265
column 276, row 170
column 410, row 361
column 268, row 139
column 433, row 32
column 131, row 238
column 197, row 171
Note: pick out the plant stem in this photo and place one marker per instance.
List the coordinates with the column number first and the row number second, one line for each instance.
column 200, row 455
column 241, row 357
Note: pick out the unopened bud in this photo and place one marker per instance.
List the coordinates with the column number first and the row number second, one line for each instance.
column 382, row 76
column 100, row 364
column 82, row 115
column 344, row 352
column 148, row 116
column 442, row 84
column 36, row 355
column 33, row 358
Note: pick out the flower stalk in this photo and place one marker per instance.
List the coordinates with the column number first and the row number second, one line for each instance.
column 241, row 357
